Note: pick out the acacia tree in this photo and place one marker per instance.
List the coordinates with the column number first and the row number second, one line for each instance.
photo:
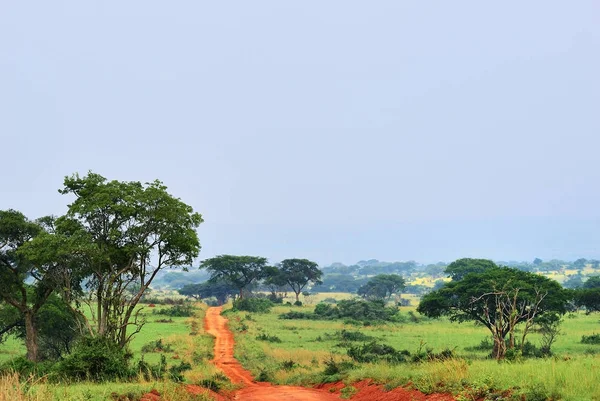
column 500, row 299
column 220, row 289
column 133, row 231
column 382, row 286
column 298, row 273
column 240, row 271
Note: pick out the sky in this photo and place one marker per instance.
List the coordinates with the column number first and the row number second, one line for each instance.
column 330, row 130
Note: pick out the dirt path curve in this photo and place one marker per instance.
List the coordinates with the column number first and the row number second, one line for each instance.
column 216, row 325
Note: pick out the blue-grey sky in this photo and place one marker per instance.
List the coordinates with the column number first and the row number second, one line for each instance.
column 332, row 130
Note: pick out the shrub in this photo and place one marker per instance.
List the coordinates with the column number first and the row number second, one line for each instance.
column 96, row 359
column 254, row 305
column 176, row 371
column 24, row 367
column 292, row 315
column 157, row 346
column 298, row 303
column 183, row 310
column 268, row 338
column 373, row 352
column 347, row 335
column 215, row 382
column 592, row 339
column 288, row 365
column 150, row 372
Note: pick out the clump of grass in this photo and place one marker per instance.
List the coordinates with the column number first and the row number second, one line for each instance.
column 268, row 338
column 13, row 389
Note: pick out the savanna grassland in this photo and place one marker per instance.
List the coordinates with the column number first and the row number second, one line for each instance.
column 177, row 339
column 300, row 351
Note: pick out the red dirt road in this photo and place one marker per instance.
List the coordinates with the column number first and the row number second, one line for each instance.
column 216, row 325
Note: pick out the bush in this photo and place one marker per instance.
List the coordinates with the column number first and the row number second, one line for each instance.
column 176, row 371
column 268, row 338
column 593, row 339
column 298, row 303
column 292, row 315
column 95, row 359
column 254, row 305
column 157, row 346
column 374, row 352
column 152, row 372
column 24, row 367
column 347, row 335
column 183, row 310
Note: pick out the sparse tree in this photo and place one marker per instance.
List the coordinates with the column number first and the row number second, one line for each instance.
column 298, row 273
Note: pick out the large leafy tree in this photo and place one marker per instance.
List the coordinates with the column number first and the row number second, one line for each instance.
column 382, row 286
column 500, row 299
column 298, row 273
column 132, row 231
column 240, row 271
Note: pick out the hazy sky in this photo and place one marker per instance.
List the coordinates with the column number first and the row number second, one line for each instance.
column 332, row 130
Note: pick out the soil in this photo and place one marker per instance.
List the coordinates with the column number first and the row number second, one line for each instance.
column 365, row 390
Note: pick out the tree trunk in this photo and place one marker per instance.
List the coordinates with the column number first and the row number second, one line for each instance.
column 297, row 297
column 31, row 337
column 241, row 293
column 499, row 348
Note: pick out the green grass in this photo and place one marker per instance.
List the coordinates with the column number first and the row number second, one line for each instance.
column 573, row 373
column 190, row 344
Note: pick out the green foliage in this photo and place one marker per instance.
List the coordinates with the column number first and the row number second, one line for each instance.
column 591, row 339
column 215, row 383
column 588, row 298
column 592, row 282
column 95, row 359
column 152, row 372
column 498, row 298
column 240, row 271
column 254, row 305
column 298, row 273
column 382, row 286
column 461, row 267
column 219, row 288
column 185, row 310
column 157, row 346
column 374, row 352
column 176, row 371
column 268, row 338
column 129, row 232
column 357, row 310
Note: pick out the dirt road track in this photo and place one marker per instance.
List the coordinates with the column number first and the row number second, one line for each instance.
column 216, row 325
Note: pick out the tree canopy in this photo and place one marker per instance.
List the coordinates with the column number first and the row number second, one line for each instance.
column 382, row 286
column 298, row 273
column 240, row 271
column 461, row 267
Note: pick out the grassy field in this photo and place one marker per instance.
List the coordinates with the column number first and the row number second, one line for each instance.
column 185, row 334
column 573, row 373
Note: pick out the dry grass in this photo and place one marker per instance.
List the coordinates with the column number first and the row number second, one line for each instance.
column 13, row 389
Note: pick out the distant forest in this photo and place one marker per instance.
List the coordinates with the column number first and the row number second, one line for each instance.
column 421, row 278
